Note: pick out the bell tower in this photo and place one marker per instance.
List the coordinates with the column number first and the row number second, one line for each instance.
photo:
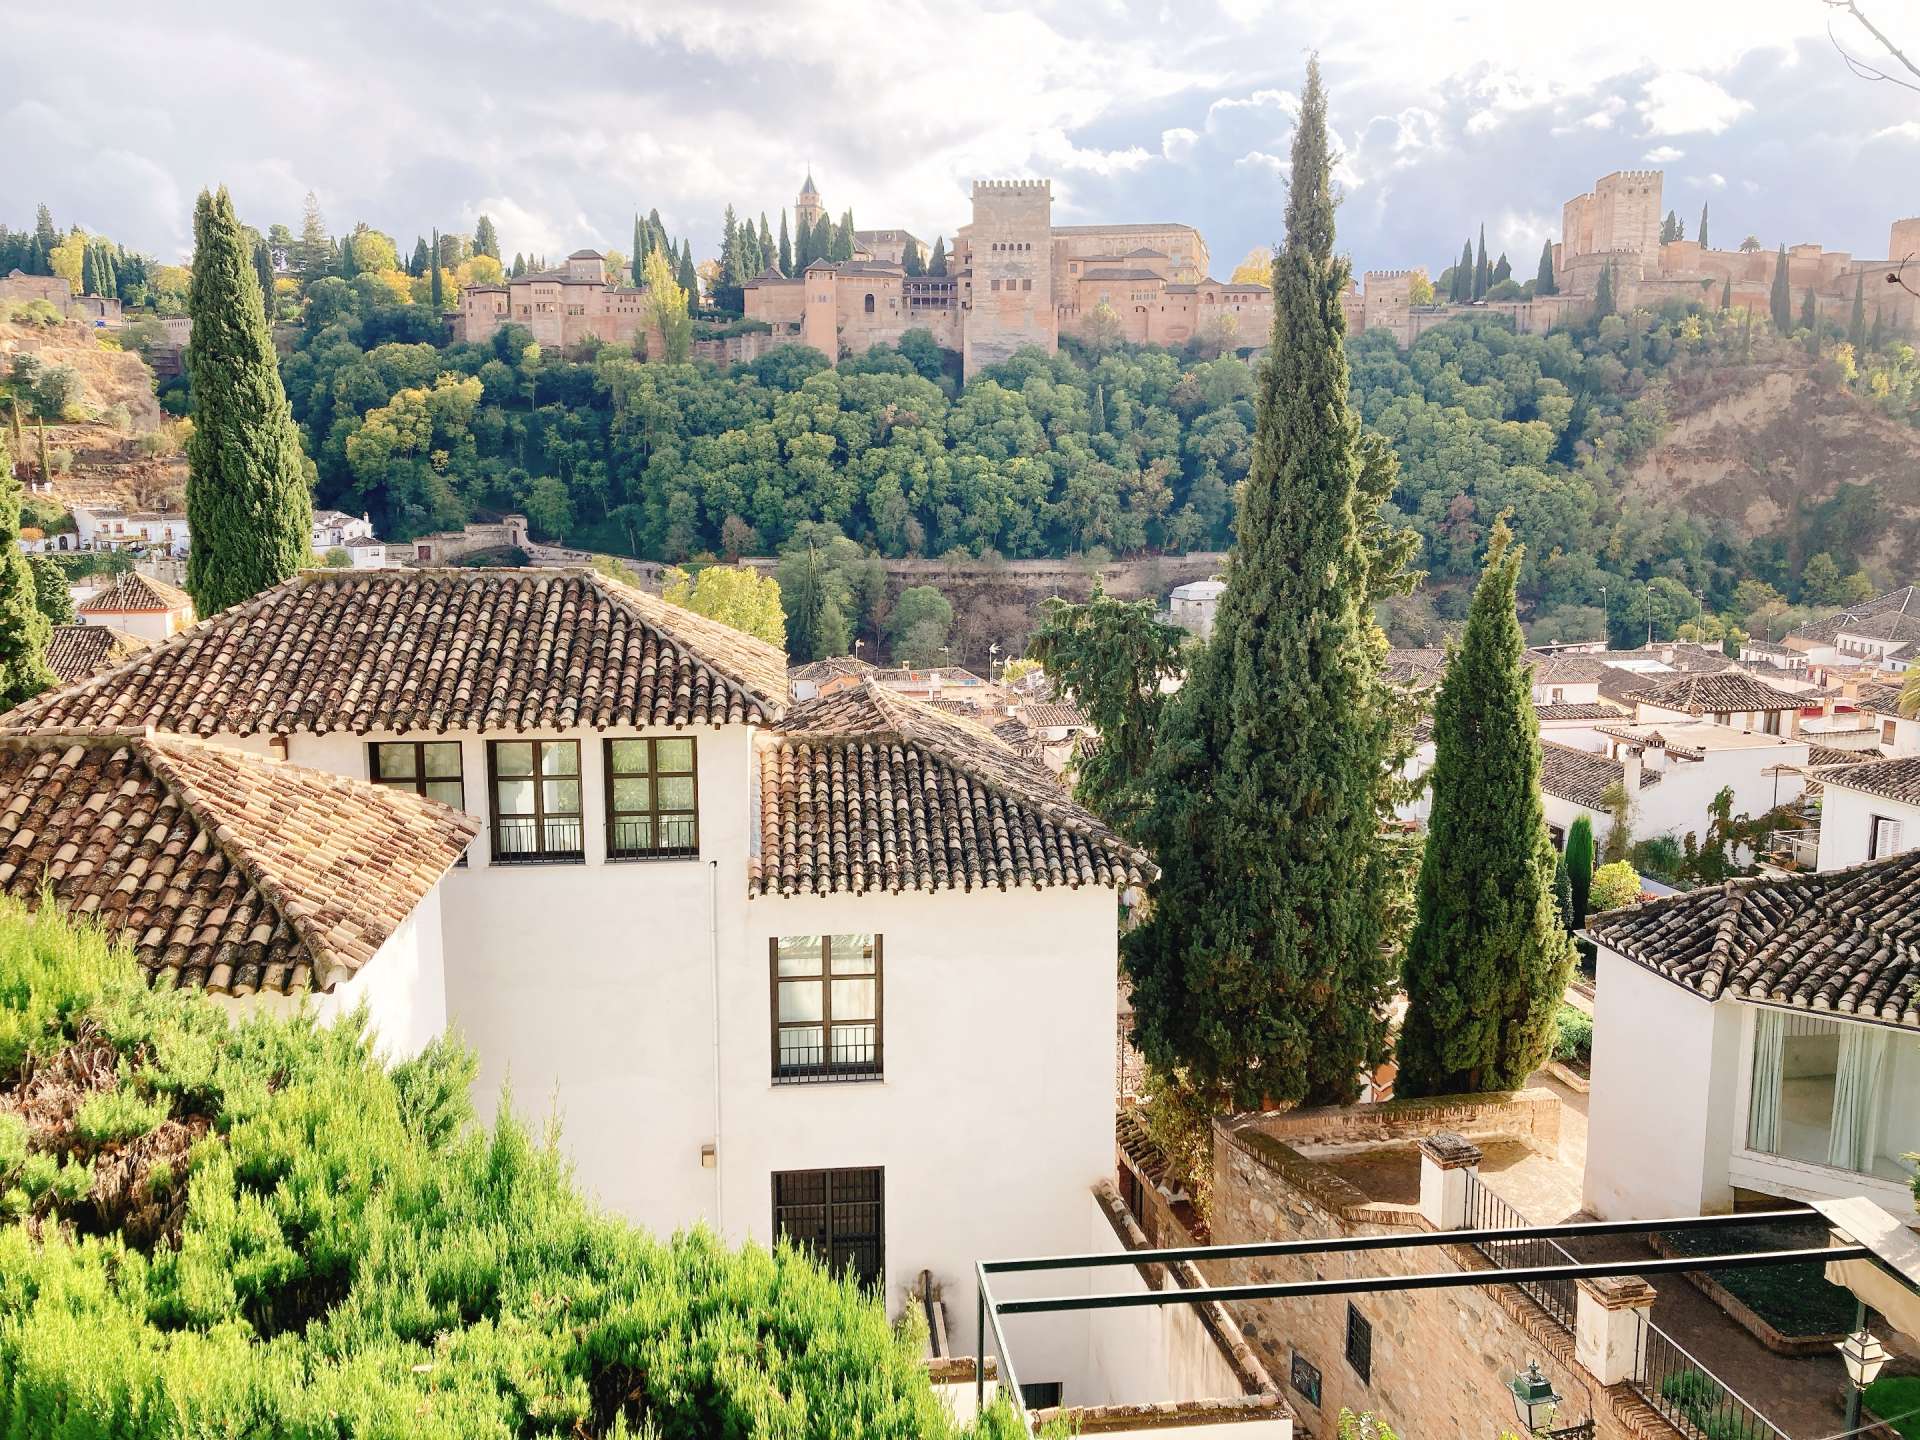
column 807, row 209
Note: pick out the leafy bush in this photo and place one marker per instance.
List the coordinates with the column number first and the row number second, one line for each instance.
column 111, row 1116
column 1573, row 1035
column 1613, row 886
column 331, row 1249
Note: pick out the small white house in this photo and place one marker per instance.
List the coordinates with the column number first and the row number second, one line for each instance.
column 1757, row 1041
column 265, row 885
column 143, row 606
column 1728, row 697
column 1850, row 637
column 1868, row 811
column 1194, row 604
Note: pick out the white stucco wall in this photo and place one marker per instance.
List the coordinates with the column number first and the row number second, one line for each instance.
column 155, row 625
column 1846, row 824
column 1660, row 1116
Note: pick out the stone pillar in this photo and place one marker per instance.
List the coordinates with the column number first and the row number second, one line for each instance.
column 1609, row 1330
column 1447, row 1163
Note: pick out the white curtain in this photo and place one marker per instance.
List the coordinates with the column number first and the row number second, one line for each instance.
column 1763, row 1115
column 1856, row 1098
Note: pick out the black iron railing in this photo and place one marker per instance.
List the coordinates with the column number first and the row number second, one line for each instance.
column 639, row 837
column 1691, row 1397
column 518, row 840
column 1487, row 1211
column 853, row 1057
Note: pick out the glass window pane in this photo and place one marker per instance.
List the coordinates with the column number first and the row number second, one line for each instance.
column 853, row 954
column 514, row 797
column 630, row 757
column 676, row 754
column 559, row 757
column 562, row 797
column 853, row 999
column 394, row 762
column 802, row 1045
column 632, row 795
column 800, row 1000
column 676, row 794
column 800, row 955
column 443, row 758
column 632, row 832
column 447, row 792
column 513, row 757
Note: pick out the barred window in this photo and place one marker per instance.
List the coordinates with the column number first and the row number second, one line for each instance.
column 826, row 1008
column 652, row 799
column 837, row 1215
column 535, row 788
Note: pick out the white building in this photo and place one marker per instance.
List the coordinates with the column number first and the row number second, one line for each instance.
column 1727, row 697
column 1868, row 811
column 141, row 605
column 845, row 974
column 255, row 881
column 108, row 527
column 1193, row 605
column 1880, row 631
column 1758, row 1040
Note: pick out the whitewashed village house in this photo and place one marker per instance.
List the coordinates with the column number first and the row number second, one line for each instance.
column 143, row 606
column 843, row 972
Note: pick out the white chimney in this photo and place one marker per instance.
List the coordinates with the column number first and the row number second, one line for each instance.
column 1631, row 762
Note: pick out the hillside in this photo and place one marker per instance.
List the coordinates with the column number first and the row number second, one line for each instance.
column 1780, row 454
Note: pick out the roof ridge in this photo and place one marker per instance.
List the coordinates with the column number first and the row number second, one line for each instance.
column 623, row 592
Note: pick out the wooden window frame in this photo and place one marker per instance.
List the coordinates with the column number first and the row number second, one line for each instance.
column 417, row 782
column 826, row 1070
column 540, row 854
column 654, row 812
column 830, row 1208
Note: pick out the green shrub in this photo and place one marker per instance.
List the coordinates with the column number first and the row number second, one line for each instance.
column 1573, row 1035
column 1613, row 886
column 356, row 1257
column 110, row 1116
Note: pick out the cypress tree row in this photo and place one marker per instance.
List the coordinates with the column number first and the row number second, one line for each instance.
column 1489, row 957
column 23, row 628
column 1780, row 299
column 248, row 499
column 1262, row 970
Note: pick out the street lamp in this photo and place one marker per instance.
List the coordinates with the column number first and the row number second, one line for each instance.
column 1534, row 1403
column 1863, row 1356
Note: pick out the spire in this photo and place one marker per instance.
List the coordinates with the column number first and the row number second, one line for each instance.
column 807, row 189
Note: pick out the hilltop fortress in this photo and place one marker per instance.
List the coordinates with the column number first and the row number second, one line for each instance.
column 1015, row 278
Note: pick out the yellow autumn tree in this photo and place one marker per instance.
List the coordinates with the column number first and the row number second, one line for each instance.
column 667, row 309
column 734, row 595
column 68, row 257
column 1256, row 269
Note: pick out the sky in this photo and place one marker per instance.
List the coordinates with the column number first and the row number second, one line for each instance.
column 561, row 117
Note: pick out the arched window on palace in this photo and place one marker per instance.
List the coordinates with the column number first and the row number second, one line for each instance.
column 869, row 302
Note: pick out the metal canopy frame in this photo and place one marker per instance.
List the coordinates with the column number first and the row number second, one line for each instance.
column 991, row 1309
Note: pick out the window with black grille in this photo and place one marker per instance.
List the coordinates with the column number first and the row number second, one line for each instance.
column 652, row 799
column 837, row 1215
column 826, row 1008
column 1359, row 1344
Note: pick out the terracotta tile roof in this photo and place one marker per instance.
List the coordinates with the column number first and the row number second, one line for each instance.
column 1578, row 712
column 1838, row 941
column 1013, row 732
column 1895, row 779
column 1879, row 697
column 134, row 592
column 433, row 650
column 223, row 870
column 817, row 670
column 75, row 652
column 867, row 790
column 1824, row 632
column 1829, row 755
column 1416, row 665
column 1049, row 717
column 1122, row 273
column 1582, row 776
column 1900, row 625
column 1728, row 692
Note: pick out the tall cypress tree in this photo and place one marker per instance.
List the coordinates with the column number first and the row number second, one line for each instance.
column 89, row 277
column 1857, row 322
column 1780, row 300
column 1876, row 337
column 1726, row 294
column 436, row 288
column 417, row 266
column 1502, row 269
column 766, row 242
column 1810, row 321
column 1481, row 274
column 786, row 247
column 23, row 628
column 1702, row 235
column 1489, row 957
column 937, row 265
column 1262, row 971
column 822, row 246
column 689, row 277
column 1603, row 294
column 248, row 501
column 910, row 260
column 263, row 275
column 43, row 228
column 1544, row 283
column 1580, row 866
column 1461, row 291
column 486, row 240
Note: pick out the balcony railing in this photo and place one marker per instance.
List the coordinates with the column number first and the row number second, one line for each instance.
column 855, row 1056
column 517, row 840
column 1691, row 1397
column 637, row 837
column 1487, row 1211
column 1794, row 849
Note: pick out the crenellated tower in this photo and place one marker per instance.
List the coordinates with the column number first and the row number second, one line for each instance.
column 1010, row 255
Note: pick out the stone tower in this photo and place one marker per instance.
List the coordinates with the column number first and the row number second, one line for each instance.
column 1010, row 249
column 807, row 210
column 1904, row 242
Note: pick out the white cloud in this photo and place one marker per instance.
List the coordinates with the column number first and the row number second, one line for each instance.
column 1178, row 143
column 1275, row 165
column 1907, row 130
column 1054, row 149
column 1663, row 155
column 1678, row 103
column 1283, row 101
